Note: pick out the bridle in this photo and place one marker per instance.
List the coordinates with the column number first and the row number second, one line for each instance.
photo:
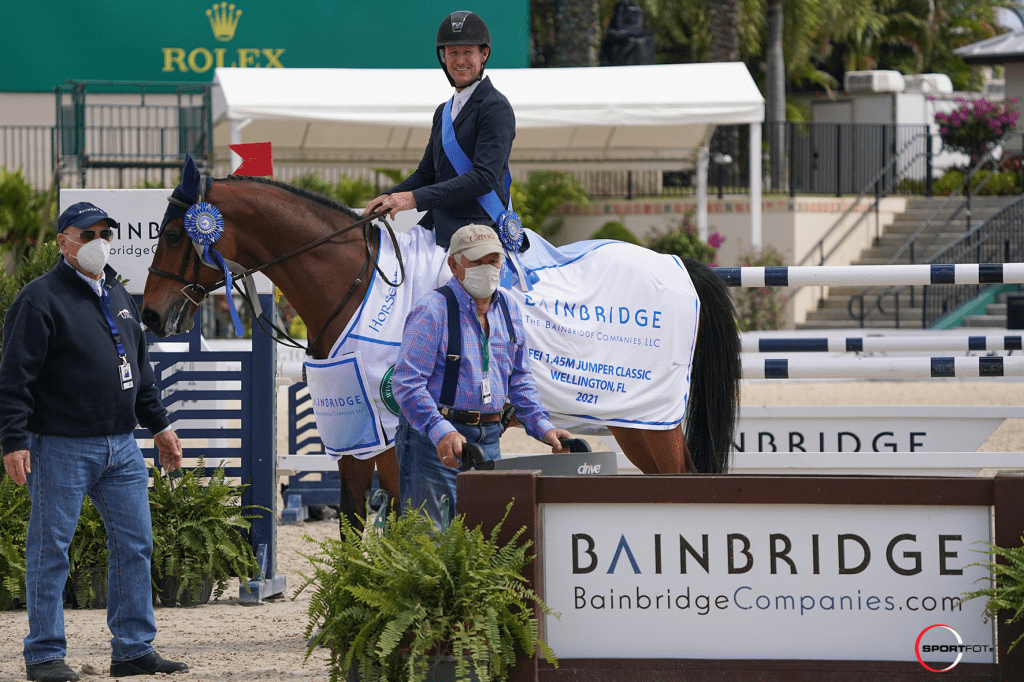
column 194, row 288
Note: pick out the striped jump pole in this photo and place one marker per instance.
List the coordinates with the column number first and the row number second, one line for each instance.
column 872, row 344
column 883, row 368
column 872, row 275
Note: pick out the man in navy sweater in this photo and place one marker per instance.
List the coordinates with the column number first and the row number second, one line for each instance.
column 484, row 127
column 75, row 380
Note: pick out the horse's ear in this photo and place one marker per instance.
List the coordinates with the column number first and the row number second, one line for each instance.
column 190, row 178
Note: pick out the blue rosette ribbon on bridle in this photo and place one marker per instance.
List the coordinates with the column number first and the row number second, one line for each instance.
column 204, row 225
column 508, row 225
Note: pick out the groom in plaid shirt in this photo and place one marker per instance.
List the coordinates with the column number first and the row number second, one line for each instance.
column 439, row 414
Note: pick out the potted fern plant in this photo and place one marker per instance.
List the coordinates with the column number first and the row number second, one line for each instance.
column 1007, row 591
column 198, row 535
column 14, row 510
column 87, row 578
column 412, row 603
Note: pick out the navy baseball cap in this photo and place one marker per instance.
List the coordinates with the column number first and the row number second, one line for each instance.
column 83, row 214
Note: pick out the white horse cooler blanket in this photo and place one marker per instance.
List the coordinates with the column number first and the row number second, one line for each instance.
column 610, row 328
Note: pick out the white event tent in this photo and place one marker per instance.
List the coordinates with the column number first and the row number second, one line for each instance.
column 655, row 117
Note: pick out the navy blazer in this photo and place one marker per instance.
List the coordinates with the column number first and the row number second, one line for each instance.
column 484, row 129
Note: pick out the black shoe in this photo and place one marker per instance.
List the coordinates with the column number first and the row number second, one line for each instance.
column 51, row 671
column 150, row 664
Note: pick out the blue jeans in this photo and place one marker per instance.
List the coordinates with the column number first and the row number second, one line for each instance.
column 423, row 478
column 113, row 473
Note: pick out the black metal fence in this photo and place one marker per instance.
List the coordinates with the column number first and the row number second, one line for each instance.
column 113, row 135
column 31, row 150
column 1000, row 239
column 99, row 144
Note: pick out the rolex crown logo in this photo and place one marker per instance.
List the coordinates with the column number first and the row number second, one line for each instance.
column 223, row 20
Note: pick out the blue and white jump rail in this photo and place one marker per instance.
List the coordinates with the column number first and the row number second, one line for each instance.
column 879, row 344
column 883, row 368
column 872, row 275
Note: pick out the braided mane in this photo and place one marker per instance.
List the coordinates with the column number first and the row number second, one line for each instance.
column 300, row 191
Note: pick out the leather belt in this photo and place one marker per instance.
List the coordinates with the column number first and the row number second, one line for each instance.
column 469, row 417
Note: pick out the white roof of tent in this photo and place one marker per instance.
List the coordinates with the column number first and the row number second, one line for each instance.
column 626, row 114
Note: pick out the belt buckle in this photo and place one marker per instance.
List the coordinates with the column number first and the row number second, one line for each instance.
column 479, row 416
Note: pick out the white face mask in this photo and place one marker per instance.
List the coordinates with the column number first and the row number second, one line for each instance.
column 93, row 256
column 481, row 281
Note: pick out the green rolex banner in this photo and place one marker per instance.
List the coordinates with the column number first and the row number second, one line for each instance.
column 186, row 41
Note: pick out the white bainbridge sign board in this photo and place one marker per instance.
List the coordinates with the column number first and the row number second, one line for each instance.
column 779, row 581
column 139, row 213
column 892, row 428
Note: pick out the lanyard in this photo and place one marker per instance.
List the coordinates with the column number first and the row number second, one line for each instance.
column 487, row 351
column 105, row 304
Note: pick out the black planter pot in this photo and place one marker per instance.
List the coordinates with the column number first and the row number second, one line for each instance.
column 442, row 669
column 167, row 592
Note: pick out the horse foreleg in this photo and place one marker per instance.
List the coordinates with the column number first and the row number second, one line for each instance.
column 655, row 452
column 355, row 477
column 387, row 475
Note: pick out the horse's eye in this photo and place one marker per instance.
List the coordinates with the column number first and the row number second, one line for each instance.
column 173, row 235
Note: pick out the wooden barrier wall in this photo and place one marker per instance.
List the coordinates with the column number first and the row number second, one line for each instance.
column 483, row 497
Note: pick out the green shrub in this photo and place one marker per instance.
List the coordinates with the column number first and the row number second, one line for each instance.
column 1007, row 591
column 613, row 229
column 948, row 183
column 541, row 194
column 15, row 506
column 761, row 308
column 347, row 191
column 198, row 530
column 684, row 242
column 1002, row 183
column 88, row 550
column 912, row 186
column 25, row 220
column 384, row 603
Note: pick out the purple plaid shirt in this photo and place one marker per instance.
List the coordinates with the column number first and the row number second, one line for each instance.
column 420, row 369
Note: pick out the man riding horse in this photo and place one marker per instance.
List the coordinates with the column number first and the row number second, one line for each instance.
column 478, row 120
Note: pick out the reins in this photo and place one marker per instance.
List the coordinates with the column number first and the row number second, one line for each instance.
column 279, row 335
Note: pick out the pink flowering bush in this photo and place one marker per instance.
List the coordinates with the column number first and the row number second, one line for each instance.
column 974, row 126
column 683, row 241
column 761, row 308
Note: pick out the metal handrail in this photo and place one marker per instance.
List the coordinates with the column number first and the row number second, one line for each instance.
column 912, row 240
column 886, row 169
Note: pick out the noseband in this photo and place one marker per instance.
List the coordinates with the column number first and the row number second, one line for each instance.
column 200, row 292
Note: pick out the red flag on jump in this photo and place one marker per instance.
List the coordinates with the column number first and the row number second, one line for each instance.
column 257, row 159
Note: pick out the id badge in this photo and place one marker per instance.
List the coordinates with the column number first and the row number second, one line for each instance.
column 125, row 371
column 485, row 390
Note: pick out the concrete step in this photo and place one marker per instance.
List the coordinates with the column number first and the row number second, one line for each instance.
column 998, row 321
column 833, row 312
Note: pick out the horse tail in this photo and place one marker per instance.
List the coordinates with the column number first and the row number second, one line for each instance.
column 715, row 375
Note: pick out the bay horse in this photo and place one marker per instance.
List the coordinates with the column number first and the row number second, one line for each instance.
column 265, row 220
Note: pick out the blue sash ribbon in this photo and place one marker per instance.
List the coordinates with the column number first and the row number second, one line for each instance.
column 509, row 227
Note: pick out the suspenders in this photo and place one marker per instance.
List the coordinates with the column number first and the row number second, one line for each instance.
column 453, row 356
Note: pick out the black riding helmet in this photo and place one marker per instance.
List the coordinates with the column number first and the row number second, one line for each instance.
column 462, row 28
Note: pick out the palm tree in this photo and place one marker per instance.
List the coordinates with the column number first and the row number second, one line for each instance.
column 775, row 89
column 577, row 38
